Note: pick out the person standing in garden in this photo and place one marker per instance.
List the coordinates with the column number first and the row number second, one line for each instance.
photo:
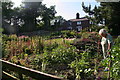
column 106, row 42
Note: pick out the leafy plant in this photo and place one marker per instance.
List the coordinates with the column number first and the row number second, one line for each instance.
column 81, row 65
column 116, row 60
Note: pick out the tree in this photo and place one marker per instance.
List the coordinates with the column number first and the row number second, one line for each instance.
column 27, row 16
column 58, row 21
column 115, row 18
column 48, row 14
column 30, row 11
column 7, row 11
column 106, row 14
column 93, row 16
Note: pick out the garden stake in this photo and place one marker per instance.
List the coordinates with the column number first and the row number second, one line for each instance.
column 109, row 65
column 97, row 56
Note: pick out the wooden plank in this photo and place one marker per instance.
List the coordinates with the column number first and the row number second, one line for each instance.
column 7, row 76
column 29, row 72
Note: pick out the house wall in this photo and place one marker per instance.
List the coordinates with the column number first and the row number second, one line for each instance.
column 9, row 29
column 66, row 25
column 84, row 24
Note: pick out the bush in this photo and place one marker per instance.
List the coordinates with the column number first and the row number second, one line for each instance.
column 115, row 56
column 114, row 60
column 65, row 34
column 88, row 42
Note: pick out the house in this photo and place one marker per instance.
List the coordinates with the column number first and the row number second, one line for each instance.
column 9, row 28
column 76, row 24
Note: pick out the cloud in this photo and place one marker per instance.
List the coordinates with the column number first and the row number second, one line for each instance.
column 32, row 0
column 17, row 2
column 72, row 0
column 51, row 2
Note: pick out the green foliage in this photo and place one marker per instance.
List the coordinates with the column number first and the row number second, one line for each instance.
column 69, row 34
column 7, row 10
column 117, row 41
column 81, row 65
column 48, row 49
column 66, row 34
column 63, row 54
column 58, row 33
column 88, row 42
column 33, row 15
column 106, row 14
column 116, row 59
column 36, row 61
column 57, row 22
column 13, row 44
column 60, row 55
column 57, row 56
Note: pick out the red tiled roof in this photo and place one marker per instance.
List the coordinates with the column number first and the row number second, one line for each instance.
column 81, row 19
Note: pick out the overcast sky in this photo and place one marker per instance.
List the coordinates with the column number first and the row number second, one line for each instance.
column 66, row 8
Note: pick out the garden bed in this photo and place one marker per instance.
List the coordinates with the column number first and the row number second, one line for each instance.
column 69, row 58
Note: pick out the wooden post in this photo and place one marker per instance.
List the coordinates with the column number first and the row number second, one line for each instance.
column 109, row 65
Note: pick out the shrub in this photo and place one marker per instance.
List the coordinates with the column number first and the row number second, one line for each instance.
column 114, row 60
column 115, row 56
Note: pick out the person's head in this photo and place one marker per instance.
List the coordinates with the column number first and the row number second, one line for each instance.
column 103, row 32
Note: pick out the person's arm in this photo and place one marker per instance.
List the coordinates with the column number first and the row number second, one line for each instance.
column 110, row 41
column 109, row 47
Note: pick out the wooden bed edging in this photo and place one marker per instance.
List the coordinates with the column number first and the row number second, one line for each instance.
column 29, row 72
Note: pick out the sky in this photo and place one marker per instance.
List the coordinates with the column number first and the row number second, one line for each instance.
column 66, row 8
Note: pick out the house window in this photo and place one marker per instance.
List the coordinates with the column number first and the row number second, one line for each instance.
column 70, row 28
column 79, row 22
column 79, row 28
column 90, row 22
column 70, row 23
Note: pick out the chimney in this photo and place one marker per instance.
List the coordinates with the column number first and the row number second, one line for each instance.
column 77, row 16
